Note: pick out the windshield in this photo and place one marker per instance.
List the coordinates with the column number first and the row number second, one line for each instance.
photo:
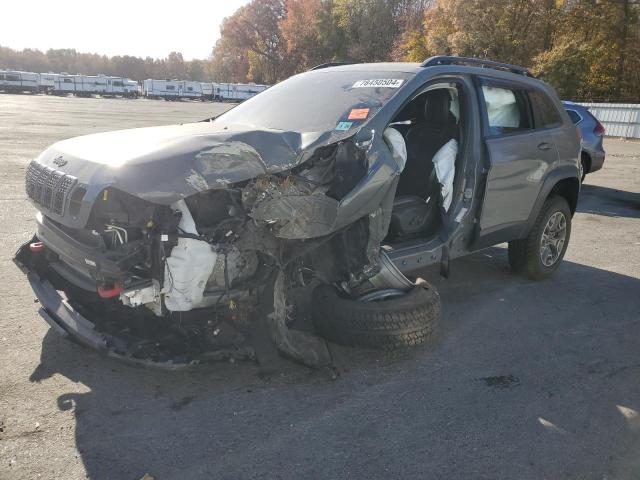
column 318, row 101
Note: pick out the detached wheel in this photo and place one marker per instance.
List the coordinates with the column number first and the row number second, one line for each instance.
column 540, row 254
column 385, row 321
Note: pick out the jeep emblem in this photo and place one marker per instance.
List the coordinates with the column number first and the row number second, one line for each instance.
column 59, row 161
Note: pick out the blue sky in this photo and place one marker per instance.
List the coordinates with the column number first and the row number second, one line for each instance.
column 147, row 28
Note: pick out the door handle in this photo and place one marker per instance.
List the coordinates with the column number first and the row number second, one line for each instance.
column 544, row 146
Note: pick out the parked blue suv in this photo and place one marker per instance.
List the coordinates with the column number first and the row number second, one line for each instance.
column 592, row 155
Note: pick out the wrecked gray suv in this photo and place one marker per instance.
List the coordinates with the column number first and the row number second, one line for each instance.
column 157, row 244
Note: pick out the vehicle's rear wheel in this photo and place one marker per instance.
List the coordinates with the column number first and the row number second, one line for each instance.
column 542, row 251
column 385, row 321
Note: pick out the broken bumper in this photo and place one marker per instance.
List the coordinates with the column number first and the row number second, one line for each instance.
column 69, row 323
column 65, row 321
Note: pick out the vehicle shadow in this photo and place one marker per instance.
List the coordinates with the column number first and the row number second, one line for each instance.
column 609, row 202
column 517, row 362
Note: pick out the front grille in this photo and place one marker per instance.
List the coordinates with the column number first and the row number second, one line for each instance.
column 48, row 187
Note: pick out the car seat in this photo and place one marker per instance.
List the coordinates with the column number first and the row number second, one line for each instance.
column 415, row 208
column 424, row 138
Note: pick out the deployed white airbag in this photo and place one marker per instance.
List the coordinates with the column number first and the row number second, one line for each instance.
column 395, row 142
column 502, row 108
column 445, row 164
column 188, row 267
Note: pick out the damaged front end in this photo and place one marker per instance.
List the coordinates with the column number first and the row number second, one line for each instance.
column 169, row 272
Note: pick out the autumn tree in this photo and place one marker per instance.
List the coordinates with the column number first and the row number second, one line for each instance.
column 587, row 49
column 229, row 63
column 595, row 51
column 255, row 28
column 302, row 30
column 369, row 28
column 504, row 30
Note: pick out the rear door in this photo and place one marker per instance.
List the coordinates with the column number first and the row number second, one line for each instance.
column 518, row 156
column 547, row 117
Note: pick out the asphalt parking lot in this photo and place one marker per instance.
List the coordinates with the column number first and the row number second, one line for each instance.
column 526, row 380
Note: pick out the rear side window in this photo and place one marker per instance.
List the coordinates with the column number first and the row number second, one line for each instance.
column 545, row 113
column 573, row 115
column 507, row 110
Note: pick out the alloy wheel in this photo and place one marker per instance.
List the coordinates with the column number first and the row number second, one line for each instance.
column 553, row 239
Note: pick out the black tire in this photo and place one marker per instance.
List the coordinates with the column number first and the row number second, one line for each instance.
column 398, row 322
column 529, row 251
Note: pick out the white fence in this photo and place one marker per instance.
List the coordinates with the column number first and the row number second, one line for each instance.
column 619, row 119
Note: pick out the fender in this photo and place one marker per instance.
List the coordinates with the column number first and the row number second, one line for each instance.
column 550, row 182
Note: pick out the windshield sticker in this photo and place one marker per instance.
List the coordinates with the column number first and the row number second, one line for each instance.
column 379, row 82
column 358, row 114
column 344, row 126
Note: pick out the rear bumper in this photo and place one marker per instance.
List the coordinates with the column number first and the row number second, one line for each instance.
column 597, row 161
column 596, row 157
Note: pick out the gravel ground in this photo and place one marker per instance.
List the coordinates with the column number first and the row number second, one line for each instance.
column 527, row 380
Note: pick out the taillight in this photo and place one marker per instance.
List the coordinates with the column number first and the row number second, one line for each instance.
column 579, row 133
column 599, row 130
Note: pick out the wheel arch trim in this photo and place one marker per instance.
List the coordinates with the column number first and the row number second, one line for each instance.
column 563, row 182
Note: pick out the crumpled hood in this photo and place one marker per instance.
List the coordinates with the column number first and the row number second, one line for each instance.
column 164, row 164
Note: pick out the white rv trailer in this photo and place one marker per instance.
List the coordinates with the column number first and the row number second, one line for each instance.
column 167, row 89
column 216, row 91
column 245, row 91
column 223, row 91
column 88, row 85
column 236, row 92
column 171, row 89
column 111, row 86
column 64, row 84
column 119, row 86
column 47, row 82
column 207, row 90
column 131, row 88
column 14, row 81
column 191, row 89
